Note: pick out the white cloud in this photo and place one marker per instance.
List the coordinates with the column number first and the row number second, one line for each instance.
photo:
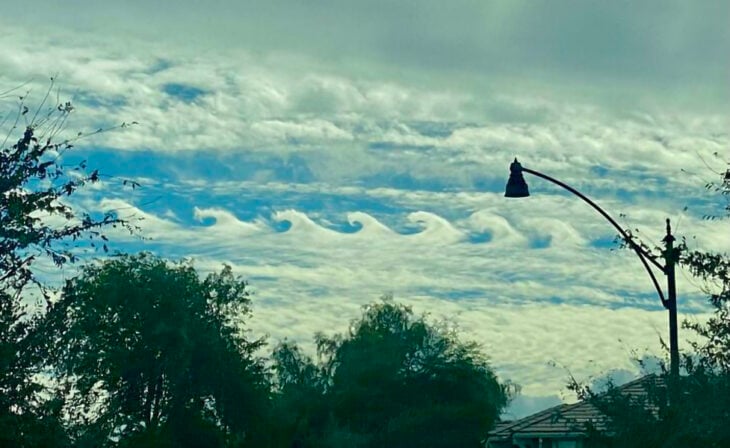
column 362, row 104
column 311, row 278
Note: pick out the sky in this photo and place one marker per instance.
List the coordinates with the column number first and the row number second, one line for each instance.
column 333, row 152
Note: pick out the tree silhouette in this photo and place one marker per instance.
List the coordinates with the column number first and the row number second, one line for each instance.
column 156, row 356
column 393, row 379
column 37, row 223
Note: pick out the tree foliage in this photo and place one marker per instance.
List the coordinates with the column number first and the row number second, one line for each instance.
column 697, row 416
column 36, row 220
column 26, row 418
column 155, row 356
column 37, row 223
column 392, row 379
column 300, row 409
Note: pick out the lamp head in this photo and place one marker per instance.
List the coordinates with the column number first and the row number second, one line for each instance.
column 516, row 185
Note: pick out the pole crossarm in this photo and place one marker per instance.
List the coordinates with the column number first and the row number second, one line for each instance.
column 643, row 255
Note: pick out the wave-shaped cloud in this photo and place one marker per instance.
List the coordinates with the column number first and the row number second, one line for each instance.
column 329, row 177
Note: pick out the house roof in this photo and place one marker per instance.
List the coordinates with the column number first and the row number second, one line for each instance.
column 566, row 420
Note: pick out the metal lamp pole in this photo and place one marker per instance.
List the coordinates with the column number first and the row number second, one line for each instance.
column 517, row 188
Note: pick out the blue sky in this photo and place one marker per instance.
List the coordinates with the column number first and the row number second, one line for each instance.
column 336, row 151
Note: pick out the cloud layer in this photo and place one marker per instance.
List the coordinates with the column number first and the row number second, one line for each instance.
column 333, row 152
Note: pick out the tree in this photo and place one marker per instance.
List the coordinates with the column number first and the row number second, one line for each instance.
column 393, row 379
column 36, row 222
column 697, row 416
column 155, row 356
column 26, row 418
column 300, row 411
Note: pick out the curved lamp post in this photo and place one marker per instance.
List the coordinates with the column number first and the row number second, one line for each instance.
column 517, row 188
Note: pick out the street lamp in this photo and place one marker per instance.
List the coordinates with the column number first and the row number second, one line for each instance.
column 517, row 188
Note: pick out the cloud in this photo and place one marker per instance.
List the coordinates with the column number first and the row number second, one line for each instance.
column 530, row 310
column 572, row 50
column 524, row 405
column 332, row 152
